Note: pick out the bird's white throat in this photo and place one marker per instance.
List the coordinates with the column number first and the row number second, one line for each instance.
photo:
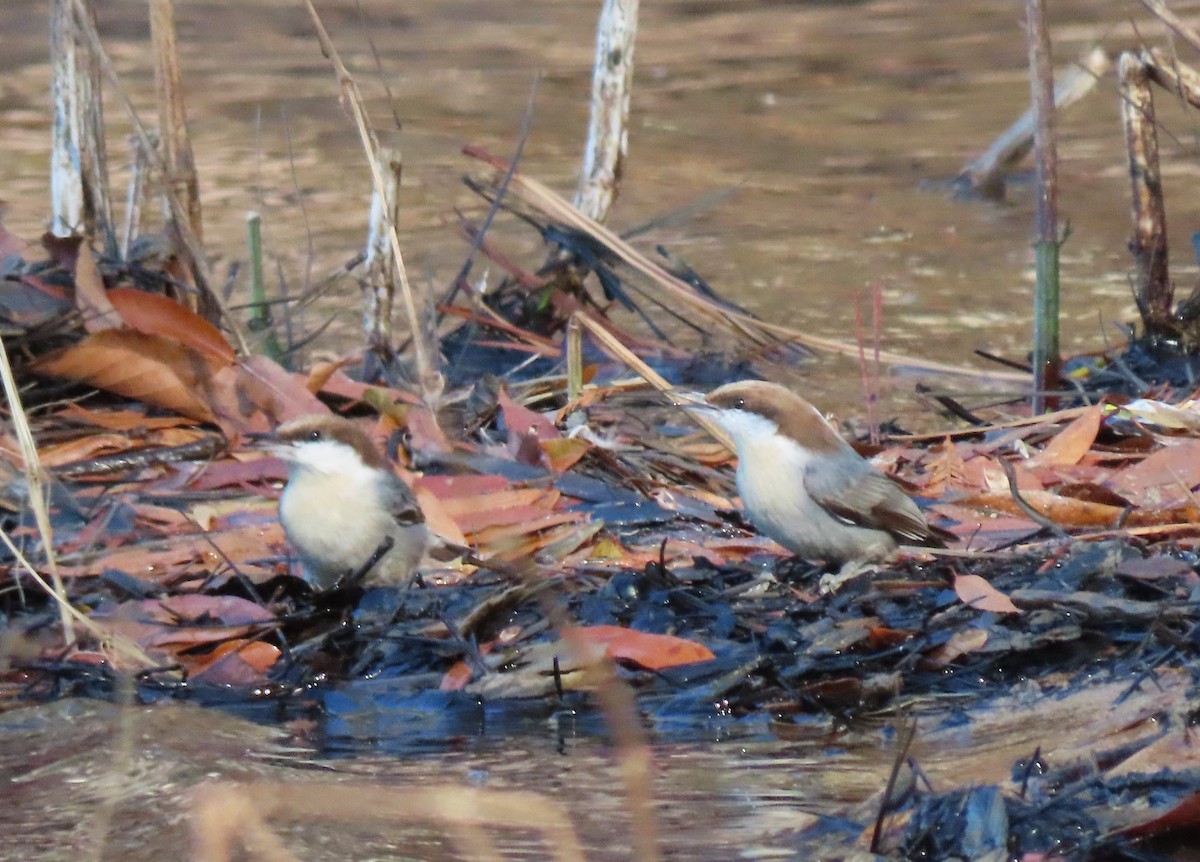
column 746, row 429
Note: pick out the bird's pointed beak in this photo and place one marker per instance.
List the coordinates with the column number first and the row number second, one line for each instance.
column 689, row 400
column 268, row 441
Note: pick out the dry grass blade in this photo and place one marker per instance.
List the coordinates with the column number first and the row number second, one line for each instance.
column 623, row 354
column 36, row 479
column 543, row 199
column 431, row 381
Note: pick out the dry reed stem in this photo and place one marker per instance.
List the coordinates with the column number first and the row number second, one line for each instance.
column 621, row 353
column 223, row 810
column 379, row 285
column 540, row 197
column 1172, row 75
column 431, row 381
column 608, row 127
column 1154, row 292
column 189, row 240
column 1173, row 21
column 78, row 157
column 179, row 164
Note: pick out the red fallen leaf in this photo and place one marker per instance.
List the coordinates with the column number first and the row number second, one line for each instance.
column 148, row 368
column 153, row 314
column 427, row 435
column 651, row 651
column 239, row 662
column 977, row 593
column 1090, row 492
column 1064, row 511
column 256, row 394
column 526, row 429
column 1185, row 815
column 1072, row 442
column 1163, row 477
column 468, row 485
column 459, row 675
column 1152, row 568
column 229, row 473
column 196, row 607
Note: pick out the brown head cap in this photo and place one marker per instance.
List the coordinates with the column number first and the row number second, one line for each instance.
column 795, row 417
column 318, row 427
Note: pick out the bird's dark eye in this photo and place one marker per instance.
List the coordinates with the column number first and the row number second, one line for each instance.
column 314, row 435
column 739, row 404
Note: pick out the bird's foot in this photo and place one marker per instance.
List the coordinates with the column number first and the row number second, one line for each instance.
column 830, row 583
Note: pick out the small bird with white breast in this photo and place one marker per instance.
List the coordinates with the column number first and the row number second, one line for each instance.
column 342, row 502
column 804, row 486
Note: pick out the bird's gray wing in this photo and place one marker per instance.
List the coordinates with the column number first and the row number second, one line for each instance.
column 870, row 500
column 403, row 505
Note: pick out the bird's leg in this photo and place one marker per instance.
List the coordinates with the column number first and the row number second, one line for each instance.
column 362, row 571
column 831, row 583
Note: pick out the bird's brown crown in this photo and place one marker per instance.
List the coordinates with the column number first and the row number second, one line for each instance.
column 794, row 416
column 320, row 427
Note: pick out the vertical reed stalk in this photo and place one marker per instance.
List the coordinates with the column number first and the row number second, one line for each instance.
column 379, row 286
column 608, row 130
column 1152, row 288
column 78, row 159
column 1046, row 359
column 179, row 166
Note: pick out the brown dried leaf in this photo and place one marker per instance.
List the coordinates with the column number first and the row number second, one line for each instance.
column 256, row 394
column 1064, row 511
column 148, row 368
column 152, row 314
column 977, row 593
column 75, row 256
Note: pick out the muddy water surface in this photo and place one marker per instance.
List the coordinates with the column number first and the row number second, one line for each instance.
column 829, row 119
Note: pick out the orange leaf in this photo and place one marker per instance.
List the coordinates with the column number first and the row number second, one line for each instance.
column 148, row 368
column 562, row 453
column 457, row 677
column 977, row 593
column 1064, row 511
column 1073, row 441
column 653, row 652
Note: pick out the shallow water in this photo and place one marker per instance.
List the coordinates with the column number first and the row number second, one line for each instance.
column 829, row 119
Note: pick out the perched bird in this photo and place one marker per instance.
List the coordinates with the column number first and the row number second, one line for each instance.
column 342, row 501
column 803, row 485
